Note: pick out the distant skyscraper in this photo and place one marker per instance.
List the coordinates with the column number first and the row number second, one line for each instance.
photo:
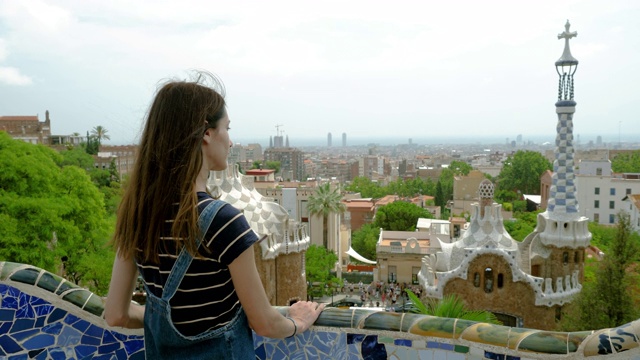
column 278, row 141
column 287, row 142
column 344, row 139
column 329, row 139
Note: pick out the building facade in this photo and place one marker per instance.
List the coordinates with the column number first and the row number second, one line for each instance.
column 602, row 192
column 291, row 162
column 28, row 128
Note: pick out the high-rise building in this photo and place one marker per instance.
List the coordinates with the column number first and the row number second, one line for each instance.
column 291, row 162
column 344, row 139
column 329, row 139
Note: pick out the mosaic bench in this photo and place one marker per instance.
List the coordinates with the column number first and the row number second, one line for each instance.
column 43, row 316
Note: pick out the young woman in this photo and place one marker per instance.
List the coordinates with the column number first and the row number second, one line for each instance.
column 204, row 294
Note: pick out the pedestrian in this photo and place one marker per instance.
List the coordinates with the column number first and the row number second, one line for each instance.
column 194, row 253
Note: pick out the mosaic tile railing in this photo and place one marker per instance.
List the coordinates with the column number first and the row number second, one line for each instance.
column 42, row 316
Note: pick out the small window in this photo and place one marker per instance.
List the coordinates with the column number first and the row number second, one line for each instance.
column 500, row 281
column 612, row 204
column 476, row 280
column 628, row 191
column 612, row 218
column 596, row 204
column 488, row 280
column 597, row 191
column 612, row 191
column 599, row 171
column 576, row 257
column 596, row 218
column 565, row 258
column 535, row 270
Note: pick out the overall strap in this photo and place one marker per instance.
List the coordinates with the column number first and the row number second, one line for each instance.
column 181, row 265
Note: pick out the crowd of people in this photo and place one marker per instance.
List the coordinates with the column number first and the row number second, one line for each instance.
column 379, row 293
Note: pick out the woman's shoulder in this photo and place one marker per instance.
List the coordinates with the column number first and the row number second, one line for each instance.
column 226, row 210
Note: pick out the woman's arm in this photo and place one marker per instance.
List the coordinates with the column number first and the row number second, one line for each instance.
column 119, row 310
column 263, row 318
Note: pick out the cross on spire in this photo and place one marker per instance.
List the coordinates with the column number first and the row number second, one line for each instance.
column 566, row 35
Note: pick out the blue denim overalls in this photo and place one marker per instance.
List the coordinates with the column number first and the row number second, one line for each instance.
column 163, row 341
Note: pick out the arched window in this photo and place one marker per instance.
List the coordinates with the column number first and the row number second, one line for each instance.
column 476, row 279
column 576, row 257
column 565, row 258
column 500, row 281
column 488, row 280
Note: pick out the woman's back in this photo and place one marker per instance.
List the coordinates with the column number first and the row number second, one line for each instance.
column 206, row 298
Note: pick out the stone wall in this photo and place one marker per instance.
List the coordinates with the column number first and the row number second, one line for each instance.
column 513, row 298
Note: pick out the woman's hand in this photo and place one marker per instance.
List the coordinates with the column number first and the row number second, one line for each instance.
column 305, row 314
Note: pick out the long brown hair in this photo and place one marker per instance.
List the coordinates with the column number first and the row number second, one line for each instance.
column 168, row 163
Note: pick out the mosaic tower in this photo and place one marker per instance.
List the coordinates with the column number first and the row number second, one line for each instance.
column 561, row 229
column 524, row 283
column 563, row 204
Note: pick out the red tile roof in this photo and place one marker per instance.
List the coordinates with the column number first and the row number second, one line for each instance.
column 19, row 118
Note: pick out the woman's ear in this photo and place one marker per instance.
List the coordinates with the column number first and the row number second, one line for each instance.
column 207, row 135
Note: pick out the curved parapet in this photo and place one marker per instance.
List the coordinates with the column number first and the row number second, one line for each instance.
column 43, row 316
column 41, row 319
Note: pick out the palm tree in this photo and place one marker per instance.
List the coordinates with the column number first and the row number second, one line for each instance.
column 100, row 133
column 451, row 306
column 326, row 201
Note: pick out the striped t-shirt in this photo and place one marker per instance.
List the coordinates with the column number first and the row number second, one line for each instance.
column 206, row 298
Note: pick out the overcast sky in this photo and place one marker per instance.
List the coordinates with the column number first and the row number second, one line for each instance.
column 401, row 69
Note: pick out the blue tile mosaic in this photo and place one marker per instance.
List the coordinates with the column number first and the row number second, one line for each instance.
column 402, row 342
column 32, row 328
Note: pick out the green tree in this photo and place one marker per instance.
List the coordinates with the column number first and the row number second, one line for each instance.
column 49, row 212
column 366, row 188
column 451, row 306
column 626, row 163
column 411, row 187
column 522, row 171
column 400, row 216
column 77, row 156
column 364, row 240
column 275, row 165
column 609, row 300
column 440, row 200
column 318, row 264
column 460, row 167
column 521, row 225
column 326, row 201
column 257, row 164
column 100, row 133
column 92, row 146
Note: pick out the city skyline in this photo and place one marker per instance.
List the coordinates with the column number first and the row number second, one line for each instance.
column 628, row 140
column 415, row 70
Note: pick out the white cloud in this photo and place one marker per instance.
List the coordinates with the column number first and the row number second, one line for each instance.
column 12, row 76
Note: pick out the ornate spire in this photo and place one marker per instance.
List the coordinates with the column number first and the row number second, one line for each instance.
column 563, row 202
column 566, row 66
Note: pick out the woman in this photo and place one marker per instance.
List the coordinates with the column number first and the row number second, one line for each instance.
column 201, row 300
